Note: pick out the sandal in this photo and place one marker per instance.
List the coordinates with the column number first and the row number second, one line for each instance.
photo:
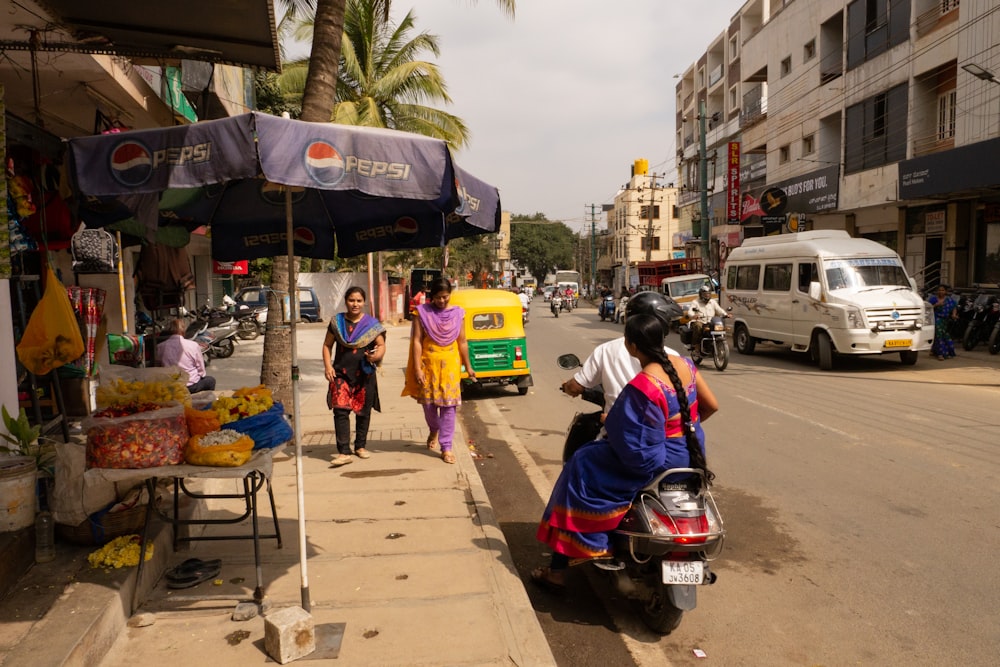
column 542, row 577
column 189, row 567
column 362, row 453
column 432, row 440
column 341, row 460
column 195, row 577
column 448, row 456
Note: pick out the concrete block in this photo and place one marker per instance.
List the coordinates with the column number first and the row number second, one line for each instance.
column 289, row 634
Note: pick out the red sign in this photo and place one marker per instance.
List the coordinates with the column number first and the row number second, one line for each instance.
column 733, row 215
column 240, row 268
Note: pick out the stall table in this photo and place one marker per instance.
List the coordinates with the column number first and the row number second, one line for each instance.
column 255, row 473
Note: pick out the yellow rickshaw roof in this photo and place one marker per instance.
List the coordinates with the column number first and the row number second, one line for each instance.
column 485, row 298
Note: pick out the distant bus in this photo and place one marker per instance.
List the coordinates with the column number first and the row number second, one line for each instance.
column 567, row 277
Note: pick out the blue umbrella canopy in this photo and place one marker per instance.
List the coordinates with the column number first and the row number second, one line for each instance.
column 353, row 189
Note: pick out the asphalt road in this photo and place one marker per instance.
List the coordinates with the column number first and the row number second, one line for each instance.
column 860, row 506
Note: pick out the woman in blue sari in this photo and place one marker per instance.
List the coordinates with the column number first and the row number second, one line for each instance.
column 655, row 424
column 354, row 345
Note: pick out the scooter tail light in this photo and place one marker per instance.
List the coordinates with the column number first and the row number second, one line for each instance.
column 686, row 530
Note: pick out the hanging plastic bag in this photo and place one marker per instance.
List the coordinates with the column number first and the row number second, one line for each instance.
column 52, row 337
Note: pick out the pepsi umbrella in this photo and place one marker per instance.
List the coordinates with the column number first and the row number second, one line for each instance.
column 270, row 186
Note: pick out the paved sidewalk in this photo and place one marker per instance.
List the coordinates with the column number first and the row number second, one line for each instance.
column 404, row 551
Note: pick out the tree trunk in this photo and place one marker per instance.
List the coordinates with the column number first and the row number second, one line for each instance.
column 317, row 106
column 276, row 366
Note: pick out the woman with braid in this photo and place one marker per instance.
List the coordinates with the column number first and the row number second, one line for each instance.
column 654, row 425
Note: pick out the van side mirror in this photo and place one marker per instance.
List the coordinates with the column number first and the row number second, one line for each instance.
column 568, row 362
column 814, row 290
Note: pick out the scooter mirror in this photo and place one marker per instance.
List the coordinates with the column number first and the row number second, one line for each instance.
column 568, row 361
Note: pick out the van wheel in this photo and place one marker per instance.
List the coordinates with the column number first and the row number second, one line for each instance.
column 745, row 343
column 909, row 357
column 824, row 351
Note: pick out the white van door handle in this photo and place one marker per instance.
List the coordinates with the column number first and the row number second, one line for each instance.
column 795, row 300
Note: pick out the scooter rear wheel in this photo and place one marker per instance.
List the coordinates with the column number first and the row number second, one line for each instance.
column 225, row 348
column 658, row 613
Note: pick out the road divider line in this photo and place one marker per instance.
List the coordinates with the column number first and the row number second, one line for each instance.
column 799, row 417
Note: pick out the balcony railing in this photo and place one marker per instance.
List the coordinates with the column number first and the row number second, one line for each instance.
column 754, row 106
column 934, row 16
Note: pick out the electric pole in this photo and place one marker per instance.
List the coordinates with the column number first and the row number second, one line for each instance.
column 649, row 223
column 593, row 249
column 703, row 177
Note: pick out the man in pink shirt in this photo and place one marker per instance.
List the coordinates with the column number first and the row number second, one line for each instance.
column 180, row 351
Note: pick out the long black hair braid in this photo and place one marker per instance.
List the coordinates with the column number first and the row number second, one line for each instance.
column 646, row 333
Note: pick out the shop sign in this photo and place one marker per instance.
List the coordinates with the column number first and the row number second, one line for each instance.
column 934, row 222
column 238, row 268
column 733, row 192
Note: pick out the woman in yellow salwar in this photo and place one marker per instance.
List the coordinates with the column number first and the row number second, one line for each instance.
column 438, row 350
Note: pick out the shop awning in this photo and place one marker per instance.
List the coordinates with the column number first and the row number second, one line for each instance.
column 159, row 32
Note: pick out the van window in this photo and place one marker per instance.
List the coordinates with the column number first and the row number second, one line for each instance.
column 808, row 273
column 865, row 272
column 305, row 296
column 777, row 277
column 748, row 277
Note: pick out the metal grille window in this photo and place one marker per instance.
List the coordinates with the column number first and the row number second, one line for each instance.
column 946, row 115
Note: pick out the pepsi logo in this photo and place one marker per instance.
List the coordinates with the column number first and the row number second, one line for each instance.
column 304, row 237
column 405, row 229
column 324, row 163
column 463, row 202
column 131, row 163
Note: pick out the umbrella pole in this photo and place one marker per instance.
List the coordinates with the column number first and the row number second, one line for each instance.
column 293, row 316
column 371, row 288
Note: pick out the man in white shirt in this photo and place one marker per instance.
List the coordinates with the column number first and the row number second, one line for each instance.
column 180, row 351
column 610, row 365
column 701, row 312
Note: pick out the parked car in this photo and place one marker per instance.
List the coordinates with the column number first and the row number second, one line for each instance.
column 255, row 298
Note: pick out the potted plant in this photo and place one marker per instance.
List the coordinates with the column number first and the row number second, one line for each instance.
column 22, row 439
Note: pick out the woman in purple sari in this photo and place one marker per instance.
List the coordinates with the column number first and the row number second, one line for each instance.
column 354, row 345
column 434, row 369
column 654, row 425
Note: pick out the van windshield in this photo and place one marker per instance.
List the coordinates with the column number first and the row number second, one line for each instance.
column 865, row 272
column 683, row 287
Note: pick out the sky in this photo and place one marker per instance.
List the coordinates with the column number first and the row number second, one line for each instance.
column 563, row 98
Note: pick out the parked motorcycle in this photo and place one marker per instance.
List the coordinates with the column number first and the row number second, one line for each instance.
column 607, row 307
column 713, row 343
column 666, row 541
column 222, row 327
column 965, row 309
column 984, row 319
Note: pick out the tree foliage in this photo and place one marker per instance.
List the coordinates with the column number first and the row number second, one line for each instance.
column 541, row 245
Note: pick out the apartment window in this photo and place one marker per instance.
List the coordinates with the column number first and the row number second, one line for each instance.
column 654, row 239
column 644, row 212
column 734, row 45
column 874, row 27
column 701, row 77
column 786, row 66
column 948, row 5
column 808, row 145
column 783, row 155
column 809, row 50
column 870, row 140
column 946, row 116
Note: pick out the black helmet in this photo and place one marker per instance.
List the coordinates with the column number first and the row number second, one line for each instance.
column 658, row 305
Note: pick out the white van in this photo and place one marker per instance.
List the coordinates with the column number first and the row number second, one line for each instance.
column 825, row 293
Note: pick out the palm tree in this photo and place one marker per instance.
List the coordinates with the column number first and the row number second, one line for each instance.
column 319, row 98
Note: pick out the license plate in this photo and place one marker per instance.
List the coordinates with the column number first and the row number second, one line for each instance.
column 899, row 342
column 683, row 571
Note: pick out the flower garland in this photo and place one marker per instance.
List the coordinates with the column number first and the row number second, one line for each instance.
column 120, row 552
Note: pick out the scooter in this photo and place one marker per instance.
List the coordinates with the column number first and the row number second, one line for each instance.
column 713, row 343
column 666, row 541
column 556, row 304
column 223, row 329
column 606, row 309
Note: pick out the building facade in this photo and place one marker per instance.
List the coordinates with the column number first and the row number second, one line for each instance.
column 879, row 117
column 642, row 225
